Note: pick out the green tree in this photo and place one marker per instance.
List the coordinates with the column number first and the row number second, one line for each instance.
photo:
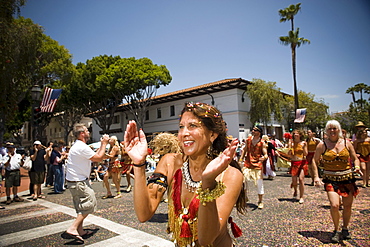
column 266, row 101
column 107, row 82
column 96, row 95
column 346, row 121
column 294, row 41
column 136, row 82
column 358, row 88
column 20, row 42
column 54, row 68
column 316, row 110
column 359, row 109
column 288, row 14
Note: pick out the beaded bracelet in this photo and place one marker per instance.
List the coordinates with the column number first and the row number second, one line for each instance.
column 210, row 195
column 140, row 165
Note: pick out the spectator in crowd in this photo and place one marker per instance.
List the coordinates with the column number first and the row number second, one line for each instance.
column 12, row 163
column 1, row 175
column 65, row 153
column 3, row 150
column 78, row 180
column 57, row 160
column 39, row 157
column 49, row 174
column 102, row 170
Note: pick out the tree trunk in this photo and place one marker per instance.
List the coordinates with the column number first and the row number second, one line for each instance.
column 296, row 105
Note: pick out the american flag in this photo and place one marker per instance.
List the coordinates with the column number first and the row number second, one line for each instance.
column 300, row 115
column 50, row 99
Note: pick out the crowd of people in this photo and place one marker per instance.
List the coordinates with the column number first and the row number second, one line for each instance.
column 202, row 172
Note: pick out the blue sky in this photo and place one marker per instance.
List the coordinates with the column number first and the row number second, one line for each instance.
column 202, row 41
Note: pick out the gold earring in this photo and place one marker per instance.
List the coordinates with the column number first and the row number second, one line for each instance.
column 210, row 152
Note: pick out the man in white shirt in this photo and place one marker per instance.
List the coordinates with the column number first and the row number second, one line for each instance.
column 12, row 163
column 78, row 174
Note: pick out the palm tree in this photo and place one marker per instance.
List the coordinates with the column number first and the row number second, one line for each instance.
column 360, row 88
column 352, row 91
column 294, row 41
column 288, row 14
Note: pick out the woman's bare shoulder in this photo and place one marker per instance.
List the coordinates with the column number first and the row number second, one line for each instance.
column 169, row 163
column 232, row 173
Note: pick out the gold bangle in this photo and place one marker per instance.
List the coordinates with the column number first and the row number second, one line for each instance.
column 208, row 195
column 357, row 167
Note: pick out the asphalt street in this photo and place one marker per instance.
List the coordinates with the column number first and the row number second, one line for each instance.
column 282, row 222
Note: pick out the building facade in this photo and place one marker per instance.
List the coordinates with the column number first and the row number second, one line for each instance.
column 163, row 115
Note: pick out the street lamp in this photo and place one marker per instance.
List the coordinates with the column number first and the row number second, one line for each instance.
column 35, row 95
column 35, row 92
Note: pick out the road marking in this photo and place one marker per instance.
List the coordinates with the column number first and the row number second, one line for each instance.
column 126, row 235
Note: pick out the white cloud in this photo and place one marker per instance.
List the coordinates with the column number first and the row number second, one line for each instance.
column 329, row 96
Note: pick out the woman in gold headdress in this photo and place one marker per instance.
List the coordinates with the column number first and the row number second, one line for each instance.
column 204, row 182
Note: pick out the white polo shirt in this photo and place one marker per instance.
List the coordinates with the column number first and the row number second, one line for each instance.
column 15, row 162
column 79, row 163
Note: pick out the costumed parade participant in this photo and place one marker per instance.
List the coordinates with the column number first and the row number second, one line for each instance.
column 299, row 168
column 204, row 182
column 253, row 156
column 282, row 153
column 362, row 148
column 312, row 143
column 114, row 169
column 269, row 164
column 338, row 177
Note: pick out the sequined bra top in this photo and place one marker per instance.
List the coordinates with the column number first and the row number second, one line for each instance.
column 311, row 145
column 333, row 161
column 363, row 148
column 297, row 150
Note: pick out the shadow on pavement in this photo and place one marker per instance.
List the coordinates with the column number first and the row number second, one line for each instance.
column 323, row 237
column 89, row 235
column 159, row 218
column 252, row 206
column 287, row 200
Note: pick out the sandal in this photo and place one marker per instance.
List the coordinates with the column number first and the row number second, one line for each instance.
column 118, row 196
column 107, row 196
column 77, row 238
column 87, row 234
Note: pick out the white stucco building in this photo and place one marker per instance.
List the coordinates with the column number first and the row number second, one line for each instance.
column 163, row 115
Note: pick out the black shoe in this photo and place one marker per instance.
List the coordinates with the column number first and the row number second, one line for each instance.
column 336, row 237
column 346, row 234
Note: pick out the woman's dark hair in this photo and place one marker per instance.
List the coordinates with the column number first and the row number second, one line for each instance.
column 300, row 132
column 212, row 119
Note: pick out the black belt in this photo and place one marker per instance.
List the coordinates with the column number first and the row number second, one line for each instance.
column 15, row 170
